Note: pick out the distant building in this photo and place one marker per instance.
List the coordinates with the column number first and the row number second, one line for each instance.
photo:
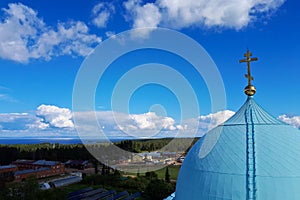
column 7, row 172
column 56, row 166
column 65, row 181
column 38, row 173
column 23, row 164
column 8, row 169
column 77, row 164
column 137, row 158
column 40, row 169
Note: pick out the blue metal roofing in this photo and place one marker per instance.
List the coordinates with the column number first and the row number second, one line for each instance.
column 7, row 166
column 31, row 170
column 66, row 181
column 78, row 192
column 250, row 156
column 45, row 162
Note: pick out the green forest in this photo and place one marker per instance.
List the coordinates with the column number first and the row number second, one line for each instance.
column 153, row 185
column 64, row 152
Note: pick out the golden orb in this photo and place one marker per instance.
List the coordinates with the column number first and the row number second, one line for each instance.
column 250, row 90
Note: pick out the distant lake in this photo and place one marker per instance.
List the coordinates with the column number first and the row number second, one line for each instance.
column 54, row 140
column 8, row 140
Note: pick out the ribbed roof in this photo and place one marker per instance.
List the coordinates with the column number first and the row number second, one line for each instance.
column 46, row 162
column 27, row 171
column 8, row 167
column 250, row 156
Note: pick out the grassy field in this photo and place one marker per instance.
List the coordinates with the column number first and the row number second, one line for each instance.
column 173, row 171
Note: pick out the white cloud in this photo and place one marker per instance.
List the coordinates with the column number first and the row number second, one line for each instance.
column 234, row 14
column 148, row 121
column 53, row 121
column 24, row 36
column 204, row 123
column 212, row 120
column 55, row 116
column 12, row 117
column 292, row 120
column 143, row 16
column 37, row 124
column 21, row 121
column 58, row 120
column 69, row 39
column 147, row 124
column 29, row 125
column 121, row 124
column 20, row 25
column 102, row 13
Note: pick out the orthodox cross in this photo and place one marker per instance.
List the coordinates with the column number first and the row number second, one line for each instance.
column 248, row 59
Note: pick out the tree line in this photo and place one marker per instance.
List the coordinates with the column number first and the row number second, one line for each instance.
column 164, row 144
column 65, row 152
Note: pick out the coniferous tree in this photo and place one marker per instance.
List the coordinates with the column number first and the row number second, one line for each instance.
column 95, row 163
column 103, row 170
column 167, row 175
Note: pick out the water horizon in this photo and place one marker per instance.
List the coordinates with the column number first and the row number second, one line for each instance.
column 67, row 140
column 7, row 141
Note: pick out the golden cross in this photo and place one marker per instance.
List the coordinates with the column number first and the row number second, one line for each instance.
column 248, row 59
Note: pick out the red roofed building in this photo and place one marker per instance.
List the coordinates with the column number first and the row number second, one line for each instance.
column 40, row 169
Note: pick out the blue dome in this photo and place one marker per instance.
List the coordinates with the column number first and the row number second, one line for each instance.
column 250, row 156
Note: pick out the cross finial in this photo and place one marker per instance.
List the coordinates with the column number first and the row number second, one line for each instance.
column 250, row 89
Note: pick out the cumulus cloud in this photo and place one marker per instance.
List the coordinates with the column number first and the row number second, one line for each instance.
column 146, row 125
column 54, row 121
column 37, row 124
column 142, row 16
column 11, row 117
column 70, row 38
column 30, row 125
column 24, row 36
column 292, row 120
column 233, row 14
column 102, row 13
column 202, row 124
column 20, row 121
column 47, row 117
column 210, row 121
column 55, row 116
column 122, row 124
column 148, row 121
column 51, row 120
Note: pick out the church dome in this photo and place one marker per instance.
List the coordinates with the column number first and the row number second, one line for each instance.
column 250, row 156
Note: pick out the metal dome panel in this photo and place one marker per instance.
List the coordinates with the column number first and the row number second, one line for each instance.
column 250, row 156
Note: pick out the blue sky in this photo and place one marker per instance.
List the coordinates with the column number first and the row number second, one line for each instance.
column 43, row 44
